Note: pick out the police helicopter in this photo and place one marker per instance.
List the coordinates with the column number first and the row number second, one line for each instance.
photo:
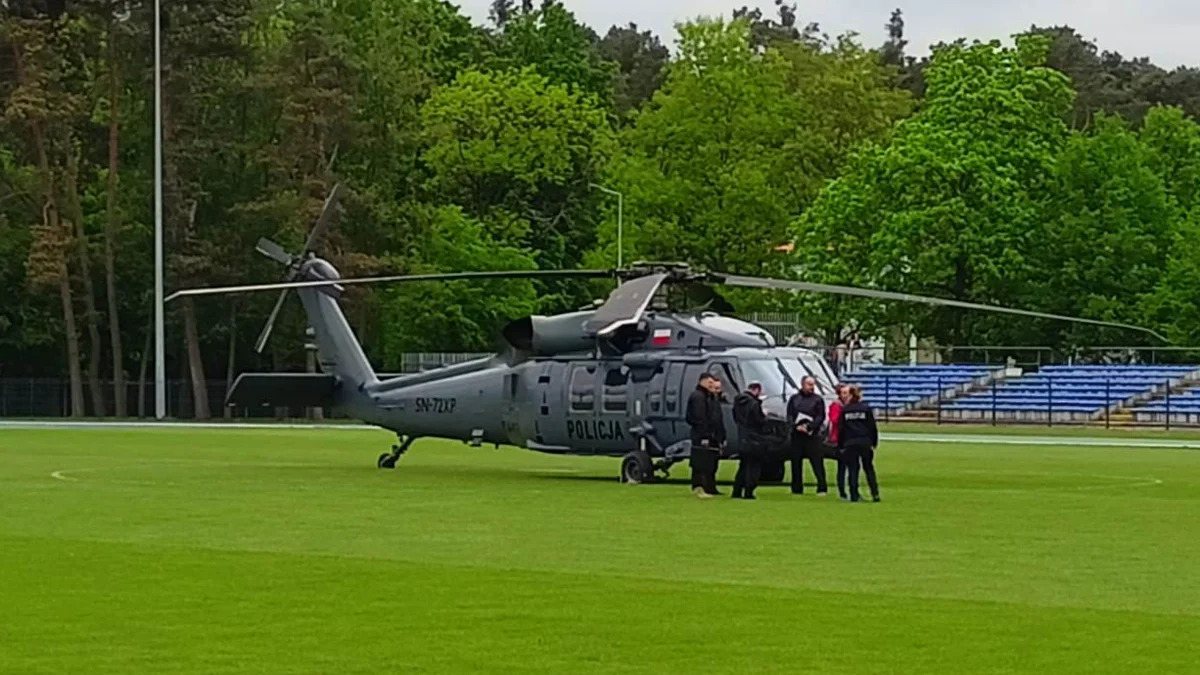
column 611, row 380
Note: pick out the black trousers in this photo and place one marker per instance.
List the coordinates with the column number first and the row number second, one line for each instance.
column 861, row 456
column 704, row 463
column 807, row 447
column 842, row 470
column 745, row 482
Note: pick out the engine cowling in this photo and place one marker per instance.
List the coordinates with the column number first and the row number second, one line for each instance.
column 551, row 335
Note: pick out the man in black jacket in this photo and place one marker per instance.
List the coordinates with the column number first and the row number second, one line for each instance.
column 751, row 422
column 707, row 421
column 858, row 436
column 806, row 413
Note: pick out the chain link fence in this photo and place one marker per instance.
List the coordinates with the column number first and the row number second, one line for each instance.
column 51, row 397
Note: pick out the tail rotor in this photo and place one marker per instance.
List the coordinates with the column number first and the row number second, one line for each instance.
column 293, row 263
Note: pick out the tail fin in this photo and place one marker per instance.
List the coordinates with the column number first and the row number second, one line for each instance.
column 339, row 350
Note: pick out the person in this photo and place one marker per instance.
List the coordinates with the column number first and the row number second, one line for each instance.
column 858, row 436
column 751, row 420
column 806, row 411
column 707, row 423
column 835, row 417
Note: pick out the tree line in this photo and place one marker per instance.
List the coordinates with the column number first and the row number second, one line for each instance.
column 1048, row 174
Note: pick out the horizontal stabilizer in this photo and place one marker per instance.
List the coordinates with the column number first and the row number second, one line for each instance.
column 309, row 390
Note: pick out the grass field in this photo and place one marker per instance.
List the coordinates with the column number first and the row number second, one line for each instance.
column 286, row 551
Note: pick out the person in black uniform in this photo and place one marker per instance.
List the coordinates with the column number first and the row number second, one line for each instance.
column 707, row 424
column 748, row 413
column 806, row 412
column 857, row 439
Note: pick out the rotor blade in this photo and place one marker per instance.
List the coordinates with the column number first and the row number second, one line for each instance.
column 273, row 251
column 266, row 331
column 452, row 276
column 780, row 284
column 708, row 297
column 625, row 305
column 322, row 225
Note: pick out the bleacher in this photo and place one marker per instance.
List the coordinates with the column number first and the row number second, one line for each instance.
column 1183, row 406
column 1068, row 393
column 900, row 388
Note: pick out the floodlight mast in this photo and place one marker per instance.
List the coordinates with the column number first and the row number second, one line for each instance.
column 160, row 368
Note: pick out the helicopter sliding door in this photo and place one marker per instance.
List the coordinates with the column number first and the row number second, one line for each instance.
column 666, row 402
column 668, row 412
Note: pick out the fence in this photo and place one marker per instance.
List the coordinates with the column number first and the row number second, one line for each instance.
column 1164, row 405
column 51, row 397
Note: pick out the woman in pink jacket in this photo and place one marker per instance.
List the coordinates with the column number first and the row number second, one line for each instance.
column 835, row 414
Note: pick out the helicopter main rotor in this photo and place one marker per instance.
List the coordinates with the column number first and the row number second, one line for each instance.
column 638, row 285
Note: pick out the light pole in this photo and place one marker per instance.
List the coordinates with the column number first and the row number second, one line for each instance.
column 620, row 224
column 160, row 368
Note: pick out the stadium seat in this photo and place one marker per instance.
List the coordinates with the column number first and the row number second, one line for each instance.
column 1073, row 391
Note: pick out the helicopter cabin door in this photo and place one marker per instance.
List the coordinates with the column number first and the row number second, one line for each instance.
column 581, row 407
column 680, row 381
column 668, row 405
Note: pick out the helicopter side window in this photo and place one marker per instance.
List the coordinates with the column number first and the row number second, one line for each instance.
column 583, row 390
column 616, row 388
column 722, row 372
column 674, row 386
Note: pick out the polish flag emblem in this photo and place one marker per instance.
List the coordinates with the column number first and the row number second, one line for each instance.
column 662, row 336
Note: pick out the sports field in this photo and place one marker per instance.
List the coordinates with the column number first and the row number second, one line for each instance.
column 286, row 551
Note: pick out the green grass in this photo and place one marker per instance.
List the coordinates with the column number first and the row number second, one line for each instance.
column 286, row 551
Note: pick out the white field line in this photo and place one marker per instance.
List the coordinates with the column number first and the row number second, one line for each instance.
column 976, row 439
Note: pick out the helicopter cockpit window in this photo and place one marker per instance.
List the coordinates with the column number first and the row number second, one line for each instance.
column 616, row 386
column 583, row 390
column 807, row 366
column 770, row 373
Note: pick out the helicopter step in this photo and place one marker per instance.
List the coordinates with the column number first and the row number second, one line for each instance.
column 388, row 459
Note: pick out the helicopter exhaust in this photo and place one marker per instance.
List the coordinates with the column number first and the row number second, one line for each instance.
column 551, row 335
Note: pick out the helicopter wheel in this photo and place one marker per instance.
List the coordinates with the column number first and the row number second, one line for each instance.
column 636, row 468
column 386, row 461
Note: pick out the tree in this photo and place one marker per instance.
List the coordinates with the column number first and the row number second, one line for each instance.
column 310, row 83
column 464, row 316
column 1109, row 83
column 1174, row 304
column 44, row 104
column 551, row 41
column 1108, row 230
column 892, row 53
column 517, row 153
column 204, row 69
column 738, row 143
column 772, row 32
column 950, row 205
column 641, row 59
column 1172, row 146
column 1173, row 143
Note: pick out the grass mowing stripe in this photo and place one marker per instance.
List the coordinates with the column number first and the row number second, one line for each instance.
column 134, row 608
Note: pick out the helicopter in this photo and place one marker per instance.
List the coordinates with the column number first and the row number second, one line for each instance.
column 611, row 380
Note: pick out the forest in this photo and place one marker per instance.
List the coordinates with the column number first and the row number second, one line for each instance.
column 1039, row 171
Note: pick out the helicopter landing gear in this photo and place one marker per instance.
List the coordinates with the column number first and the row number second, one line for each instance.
column 636, row 468
column 663, row 466
column 388, row 459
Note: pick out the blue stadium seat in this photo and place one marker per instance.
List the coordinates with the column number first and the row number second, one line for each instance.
column 1080, row 389
column 898, row 386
